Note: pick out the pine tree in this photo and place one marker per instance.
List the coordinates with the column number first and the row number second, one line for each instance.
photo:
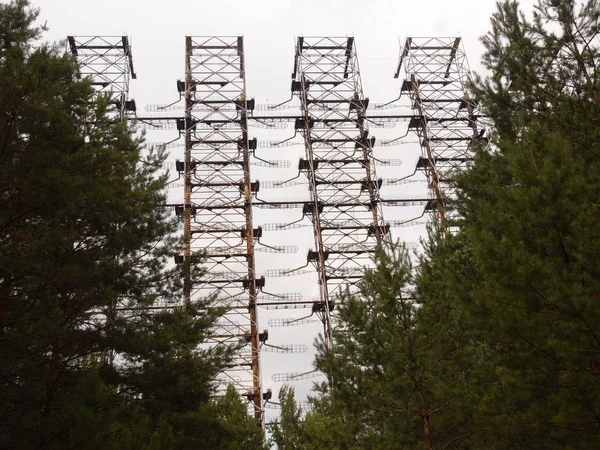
column 240, row 430
column 287, row 432
column 532, row 209
column 502, row 332
column 385, row 368
column 84, row 236
column 527, row 287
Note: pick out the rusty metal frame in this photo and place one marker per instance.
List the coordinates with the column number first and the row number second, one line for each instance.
column 345, row 207
column 344, row 204
column 218, row 203
column 436, row 76
column 107, row 61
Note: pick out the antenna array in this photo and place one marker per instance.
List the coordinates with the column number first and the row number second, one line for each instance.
column 338, row 196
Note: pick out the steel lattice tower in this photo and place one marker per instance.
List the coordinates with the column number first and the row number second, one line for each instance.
column 436, row 75
column 108, row 63
column 218, row 201
column 338, row 169
column 345, row 207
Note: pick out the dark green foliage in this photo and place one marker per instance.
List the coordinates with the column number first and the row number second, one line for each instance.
column 287, row 432
column 240, row 431
column 375, row 362
column 392, row 367
column 531, row 212
column 502, row 332
column 85, row 245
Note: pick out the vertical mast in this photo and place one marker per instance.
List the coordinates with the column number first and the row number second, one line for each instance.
column 345, row 206
column 436, row 75
column 220, row 193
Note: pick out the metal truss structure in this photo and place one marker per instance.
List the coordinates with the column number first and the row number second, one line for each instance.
column 436, row 76
column 342, row 203
column 218, row 202
column 345, row 206
column 108, row 63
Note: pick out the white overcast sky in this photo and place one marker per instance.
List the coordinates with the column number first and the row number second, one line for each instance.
column 157, row 29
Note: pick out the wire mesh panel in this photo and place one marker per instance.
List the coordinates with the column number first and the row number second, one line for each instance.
column 436, row 75
column 108, row 63
column 218, row 202
column 345, row 207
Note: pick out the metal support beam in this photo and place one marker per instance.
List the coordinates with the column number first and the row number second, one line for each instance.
column 218, row 203
column 328, row 85
column 436, row 74
column 107, row 62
